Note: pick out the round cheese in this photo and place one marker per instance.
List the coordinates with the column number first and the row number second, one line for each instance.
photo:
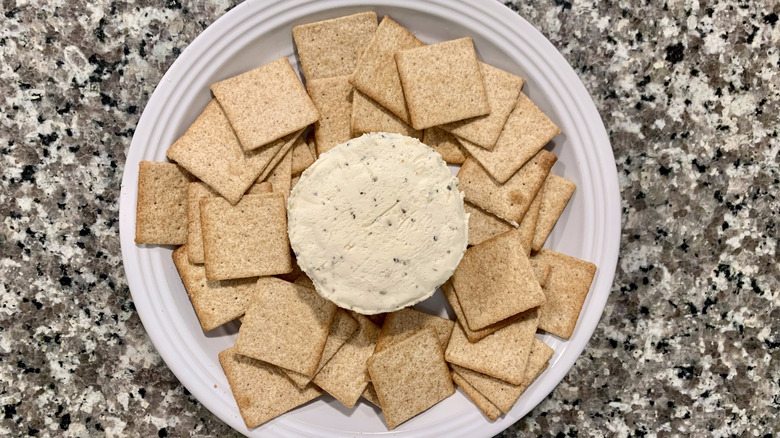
column 378, row 223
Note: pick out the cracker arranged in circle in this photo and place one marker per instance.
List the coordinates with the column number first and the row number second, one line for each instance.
column 302, row 156
column 495, row 281
column 472, row 335
column 490, row 410
column 404, row 323
column 442, row 83
column 280, row 177
column 502, row 355
column 332, row 47
column 343, row 327
column 503, row 394
column 261, row 390
column 526, row 131
column 195, row 192
column 376, row 74
column 248, row 239
column 483, row 225
column 333, row 98
column 527, row 226
column 446, row 144
column 542, row 271
column 410, row 376
column 215, row 302
column 286, row 147
column 368, row 116
column 161, row 209
column 265, row 104
column 565, row 292
column 502, row 90
column 556, row 193
column 286, row 325
column 344, row 376
column 370, row 395
column 511, row 199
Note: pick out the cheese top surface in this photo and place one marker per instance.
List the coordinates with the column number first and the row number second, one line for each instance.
column 378, row 223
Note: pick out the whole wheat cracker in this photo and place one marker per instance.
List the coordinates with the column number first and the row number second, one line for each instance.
column 403, row 323
column 332, row 47
column 281, row 176
column 556, row 193
column 370, row 395
column 565, row 292
column 333, row 98
column 472, row 335
column 502, row 355
column 542, row 271
column 410, row 376
column 528, row 224
column 376, row 74
column 248, row 239
column 286, row 325
column 302, row 156
column 161, row 208
column 526, row 132
column 265, row 104
column 261, row 390
column 511, row 199
column 494, row 281
column 484, row 225
column 196, row 191
column 442, row 83
column 445, row 144
column 502, row 90
column 369, row 116
column 280, row 154
column 304, row 281
column 215, row 302
column 480, row 401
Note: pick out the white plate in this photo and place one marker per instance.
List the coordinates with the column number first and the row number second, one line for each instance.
column 256, row 33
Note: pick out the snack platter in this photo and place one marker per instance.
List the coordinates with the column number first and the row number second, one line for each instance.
column 222, row 216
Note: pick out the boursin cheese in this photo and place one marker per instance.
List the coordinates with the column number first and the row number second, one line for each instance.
column 378, row 223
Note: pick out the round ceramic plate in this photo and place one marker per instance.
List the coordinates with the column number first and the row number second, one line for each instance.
column 256, row 33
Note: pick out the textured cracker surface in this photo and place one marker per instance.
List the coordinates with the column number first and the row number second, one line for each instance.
column 265, row 103
column 472, row 335
column 565, row 292
column 484, row 225
column 161, row 207
column 286, row 325
column 376, row 74
column 261, row 390
column 404, row 323
column 556, row 193
column 526, row 131
column 369, row 116
column 215, row 302
column 502, row 89
column 302, row 156
column 502, row 355
column 280, row 177
column 247, row 239
column 333, row 98
column 542, row 271
column 332, row 47
column 286, row 146
column 483, row 404
column 511, row 199
column 196, row 191
column 494, row 281
column 527, row 226
column 370, row 395
column 442, row 83
column 446, row 144
column 410, row 376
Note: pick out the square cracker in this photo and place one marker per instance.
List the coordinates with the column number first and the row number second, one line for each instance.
column 333, row 98
column 261, row 390
column 286, row 325
column 526, row 132
column 369, row 116
column 332, row 47
column 280, row 177
column 410, row 376
column 472, row 335
column 376, row 74
column 404, row 323
column 248, row 239
column 502, row 90
column 494, row 281
column 556, row 193
column 370, row 395
column 210, row 150
column 195, row 192
column 446, row 144
column 488, row 409
column 302, row 156
column 442, row 83
column 504, row 394
column 484, row 225
column 565, row 292
column 265, row 104
column 344, row 376
column 215, row 302
column 528, row 224
column 161, row 209
column 280, row 154
column 502, row 355
column 509, row 200
column 542, row 271
column 343, row 327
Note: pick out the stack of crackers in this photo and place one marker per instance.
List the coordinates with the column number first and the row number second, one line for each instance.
column 224, row 202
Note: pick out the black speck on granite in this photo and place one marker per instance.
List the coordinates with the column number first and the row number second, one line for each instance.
column 689, row 343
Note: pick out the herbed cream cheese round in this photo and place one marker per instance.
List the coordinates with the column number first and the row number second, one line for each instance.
column 377, row 223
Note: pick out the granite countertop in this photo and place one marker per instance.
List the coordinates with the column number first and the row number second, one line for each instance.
column 689, row 342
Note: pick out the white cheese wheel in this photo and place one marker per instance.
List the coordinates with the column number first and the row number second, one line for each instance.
column 378, row 223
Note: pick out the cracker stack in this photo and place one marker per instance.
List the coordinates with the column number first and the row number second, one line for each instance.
column 224, row 202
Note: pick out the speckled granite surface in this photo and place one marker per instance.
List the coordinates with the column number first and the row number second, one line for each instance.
column 690, row 340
